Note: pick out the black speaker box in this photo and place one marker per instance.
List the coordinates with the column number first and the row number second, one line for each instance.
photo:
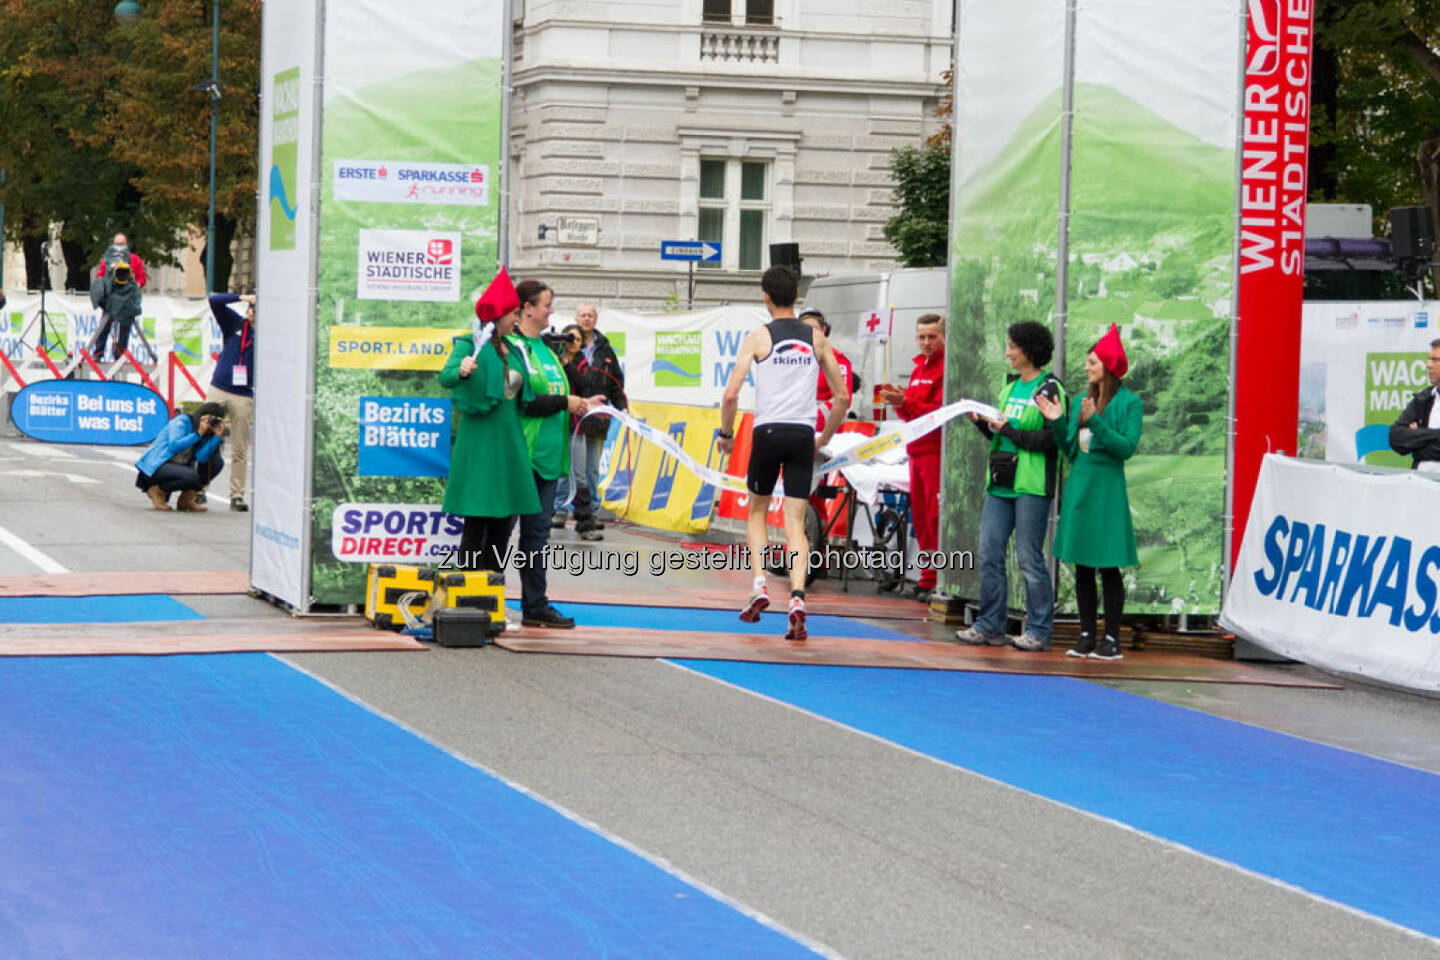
column 1412, row 233
column 785, row 255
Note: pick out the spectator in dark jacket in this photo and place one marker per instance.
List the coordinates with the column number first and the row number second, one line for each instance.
column 601, row 375
column 116, row 293
column 581, row 377
column 234, row 383
column 1417, row 433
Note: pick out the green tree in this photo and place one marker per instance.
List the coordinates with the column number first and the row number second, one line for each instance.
column 1376, row 93
column 103, row 133
column 921, row 228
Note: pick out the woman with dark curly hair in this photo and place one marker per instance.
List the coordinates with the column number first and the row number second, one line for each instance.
column 1095, row 532
column 1024, row 461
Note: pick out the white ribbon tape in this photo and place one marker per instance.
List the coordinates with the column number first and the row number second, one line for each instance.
column 898, row 435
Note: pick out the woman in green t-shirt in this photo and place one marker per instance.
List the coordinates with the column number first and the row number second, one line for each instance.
column 1095, row 532
column 546, row 405
column 490, row 482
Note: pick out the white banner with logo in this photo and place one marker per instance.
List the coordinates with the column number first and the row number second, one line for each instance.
column 181, row 324
column 683, row 358
column 1360, row 363
column 285, row 271
column 1340, row 568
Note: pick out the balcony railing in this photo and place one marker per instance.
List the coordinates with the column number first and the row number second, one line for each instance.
column 728, row 44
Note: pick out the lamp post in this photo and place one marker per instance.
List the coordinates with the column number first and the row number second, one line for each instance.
column 128, row 11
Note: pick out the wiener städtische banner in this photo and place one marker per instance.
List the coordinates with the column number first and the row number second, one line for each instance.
column 1176, row 163
column 1340, row 568
column 410, row 199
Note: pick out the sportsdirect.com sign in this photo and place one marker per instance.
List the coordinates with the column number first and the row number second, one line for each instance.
column 393, row 533
column 409, row 265
column 380, row 181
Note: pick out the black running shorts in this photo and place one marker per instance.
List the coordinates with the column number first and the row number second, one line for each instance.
column 782, row 446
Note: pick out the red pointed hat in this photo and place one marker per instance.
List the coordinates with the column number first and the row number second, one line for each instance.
column 498, row 299
column 1110, row 353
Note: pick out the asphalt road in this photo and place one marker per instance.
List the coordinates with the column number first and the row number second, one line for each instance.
column 853, row 843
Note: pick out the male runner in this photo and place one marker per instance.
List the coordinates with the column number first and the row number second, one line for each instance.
column 788, row 356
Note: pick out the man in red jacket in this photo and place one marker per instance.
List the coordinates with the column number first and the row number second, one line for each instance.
column 925, row 393
column 137, row 266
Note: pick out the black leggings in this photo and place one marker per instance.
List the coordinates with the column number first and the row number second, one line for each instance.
column 1114, row 586
column 483, row 543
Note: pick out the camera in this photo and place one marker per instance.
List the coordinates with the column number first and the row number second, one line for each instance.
column 557, row 341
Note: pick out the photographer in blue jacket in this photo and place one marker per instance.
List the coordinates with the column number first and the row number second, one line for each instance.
column 184, row 457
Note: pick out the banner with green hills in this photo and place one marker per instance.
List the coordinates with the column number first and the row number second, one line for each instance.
column 1150, row 231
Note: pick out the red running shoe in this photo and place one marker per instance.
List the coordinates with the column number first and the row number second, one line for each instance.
column 759, row 601
column 797, row 623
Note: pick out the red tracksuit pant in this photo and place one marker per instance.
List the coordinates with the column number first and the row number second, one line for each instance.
column 925, row 507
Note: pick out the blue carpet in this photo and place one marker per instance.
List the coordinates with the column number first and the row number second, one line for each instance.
column 137, row 608
column 714, row 621
column 229, row 806
column 1358, row 830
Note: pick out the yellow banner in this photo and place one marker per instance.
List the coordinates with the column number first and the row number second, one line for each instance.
column 390, row 348
column 648, row 486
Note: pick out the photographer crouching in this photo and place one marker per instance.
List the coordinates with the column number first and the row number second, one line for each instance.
column 184, row 457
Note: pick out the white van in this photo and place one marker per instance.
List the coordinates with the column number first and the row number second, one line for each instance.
column 848, row 300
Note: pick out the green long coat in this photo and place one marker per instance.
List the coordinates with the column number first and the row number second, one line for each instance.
column 1095, row 529
column 489, row 465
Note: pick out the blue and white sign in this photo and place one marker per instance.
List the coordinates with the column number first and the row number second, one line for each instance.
column 404, row 437
column 89, row 411
column 1340, row 568
column 697, row 251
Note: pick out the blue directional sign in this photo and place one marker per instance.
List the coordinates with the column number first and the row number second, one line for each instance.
column 702, row 251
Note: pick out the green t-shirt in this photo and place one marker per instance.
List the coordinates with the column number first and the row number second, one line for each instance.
column 1017, row 405
column 1015, row 402
column 548, row 437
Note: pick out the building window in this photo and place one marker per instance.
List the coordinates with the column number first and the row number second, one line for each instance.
column 734, row 211
column 761, row 12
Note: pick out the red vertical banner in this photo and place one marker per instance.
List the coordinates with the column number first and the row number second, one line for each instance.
column 1275, row 145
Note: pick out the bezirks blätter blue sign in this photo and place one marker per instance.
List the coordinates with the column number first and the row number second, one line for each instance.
column 89, row 411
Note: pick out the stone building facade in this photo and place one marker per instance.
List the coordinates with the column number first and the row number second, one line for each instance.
column 750, row 122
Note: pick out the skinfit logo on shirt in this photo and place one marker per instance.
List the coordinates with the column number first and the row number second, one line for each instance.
column 793, row 354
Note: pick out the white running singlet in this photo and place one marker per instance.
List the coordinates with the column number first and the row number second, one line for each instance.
column 785, row 380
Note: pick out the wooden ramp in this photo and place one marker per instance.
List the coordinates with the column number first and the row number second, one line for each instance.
column 265, row 634
column 126, row 583
column 866, row 606
column 854, row 652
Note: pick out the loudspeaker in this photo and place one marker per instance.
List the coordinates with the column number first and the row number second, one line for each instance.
column 1412, row 233
column 785, row 255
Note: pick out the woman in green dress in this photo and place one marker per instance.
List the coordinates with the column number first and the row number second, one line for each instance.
column 490, row 482
column 1095, row 532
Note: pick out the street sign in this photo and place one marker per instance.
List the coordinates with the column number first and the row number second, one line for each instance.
column 580, row 231
column 695, row 251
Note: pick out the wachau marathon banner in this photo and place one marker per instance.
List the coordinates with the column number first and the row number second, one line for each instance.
column 1360, row 363
column 1095, row 181
column 1340, row 568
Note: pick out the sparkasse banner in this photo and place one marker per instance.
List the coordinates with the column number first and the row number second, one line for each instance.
column 1340, row 568
column 1270, row 246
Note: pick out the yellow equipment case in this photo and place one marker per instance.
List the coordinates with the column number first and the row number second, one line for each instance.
column 389, row 582
column 473, row 590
